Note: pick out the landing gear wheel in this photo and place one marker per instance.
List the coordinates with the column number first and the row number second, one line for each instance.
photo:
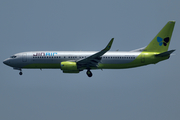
column 20, row 73
column 89, row 73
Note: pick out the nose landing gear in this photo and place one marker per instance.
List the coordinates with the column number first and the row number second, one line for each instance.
column 89, row 73
column 20, row 73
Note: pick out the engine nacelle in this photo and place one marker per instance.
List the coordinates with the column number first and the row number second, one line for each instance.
column 69, row 67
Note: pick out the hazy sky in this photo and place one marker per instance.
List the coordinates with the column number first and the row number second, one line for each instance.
column 145, row 93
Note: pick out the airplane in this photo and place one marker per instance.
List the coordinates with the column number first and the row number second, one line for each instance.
column 76, row 61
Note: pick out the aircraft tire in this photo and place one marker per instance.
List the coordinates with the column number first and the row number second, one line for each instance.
column 89, row 73
column 20, row 73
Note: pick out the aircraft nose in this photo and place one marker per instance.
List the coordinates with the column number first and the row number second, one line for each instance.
column 6, row 62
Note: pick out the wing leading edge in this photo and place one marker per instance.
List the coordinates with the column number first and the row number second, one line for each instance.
column 93, row 60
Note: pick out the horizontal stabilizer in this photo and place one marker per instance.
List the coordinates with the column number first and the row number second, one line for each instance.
column 165, row 53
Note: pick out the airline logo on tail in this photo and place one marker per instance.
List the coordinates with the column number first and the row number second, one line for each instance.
column 163, row 41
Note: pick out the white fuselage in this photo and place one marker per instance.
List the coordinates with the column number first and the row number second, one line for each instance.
column 21, row 60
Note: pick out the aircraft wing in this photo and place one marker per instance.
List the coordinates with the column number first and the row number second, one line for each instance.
column 93, row 60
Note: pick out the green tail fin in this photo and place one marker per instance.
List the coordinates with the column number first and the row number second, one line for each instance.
column 162, row 40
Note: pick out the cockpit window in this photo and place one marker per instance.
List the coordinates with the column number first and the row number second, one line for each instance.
column 13, row 56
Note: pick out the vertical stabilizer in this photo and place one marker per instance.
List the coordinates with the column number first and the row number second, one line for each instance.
column 162, row 40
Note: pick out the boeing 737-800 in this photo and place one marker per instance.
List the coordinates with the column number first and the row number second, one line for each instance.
column 76, row 61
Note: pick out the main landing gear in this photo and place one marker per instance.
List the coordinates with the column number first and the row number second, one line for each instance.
column 20, row 73
column 89, row 73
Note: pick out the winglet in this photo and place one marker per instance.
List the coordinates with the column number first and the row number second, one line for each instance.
column 108, row 47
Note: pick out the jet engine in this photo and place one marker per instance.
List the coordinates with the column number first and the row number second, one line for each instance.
column 69, row 67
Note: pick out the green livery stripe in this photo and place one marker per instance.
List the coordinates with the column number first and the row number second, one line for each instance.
column 144, row 58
